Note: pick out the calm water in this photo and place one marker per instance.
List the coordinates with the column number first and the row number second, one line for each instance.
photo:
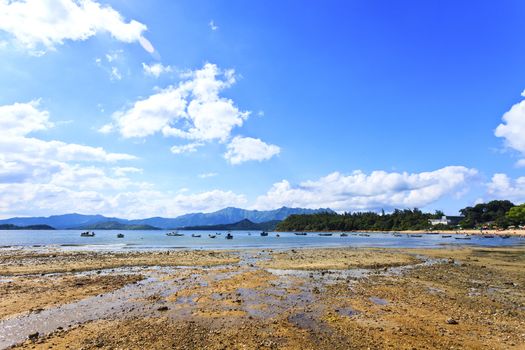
column 153, row 240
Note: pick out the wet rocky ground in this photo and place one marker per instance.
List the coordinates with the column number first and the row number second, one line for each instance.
column 468, row 298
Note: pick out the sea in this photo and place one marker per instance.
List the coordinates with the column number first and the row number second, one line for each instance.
column 158, row 240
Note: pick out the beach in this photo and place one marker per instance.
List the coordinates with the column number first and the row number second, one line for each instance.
column 337, row 298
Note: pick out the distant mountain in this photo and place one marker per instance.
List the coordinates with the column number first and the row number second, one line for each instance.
column 223, row 216
column 243, row 225
column 113, row 225
column 30, row 227
column 60, row 221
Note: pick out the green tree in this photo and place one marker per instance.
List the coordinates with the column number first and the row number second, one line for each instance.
column 516, row 215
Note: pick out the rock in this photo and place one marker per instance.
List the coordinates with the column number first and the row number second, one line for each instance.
column 33, row 336
column 163, row 308
column 452, row 321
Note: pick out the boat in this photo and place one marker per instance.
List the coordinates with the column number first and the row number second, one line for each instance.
column 120, row 235
column 277, row 235
column 505, row 236
column 264, row 234
column 467, row 238
column 446, row 236
column 87, row 234
column 344, row 235
column 229, row 236
column 488, row 236
column 300, row 233
column 398, row 235
column 432, row 233
column 364, row 235
column 416, row 235
column 325, row 234
column 212, row 236
column 196, row 236
column 174, row 234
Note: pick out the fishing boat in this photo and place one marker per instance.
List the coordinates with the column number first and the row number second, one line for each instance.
column 174, row 234
column 325, row 234
column 87, row 234
column 300, row 233
column 229, row 236
column 344, row 235
column 446, row 236
column 196, row 236
column 120, row 235
column 264, row 234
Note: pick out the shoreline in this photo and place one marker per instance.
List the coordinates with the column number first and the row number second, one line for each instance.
column 514, row 233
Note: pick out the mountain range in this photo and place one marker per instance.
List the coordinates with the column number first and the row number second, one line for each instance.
column 228, row 215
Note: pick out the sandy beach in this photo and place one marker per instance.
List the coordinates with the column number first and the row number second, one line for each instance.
column 340, row 298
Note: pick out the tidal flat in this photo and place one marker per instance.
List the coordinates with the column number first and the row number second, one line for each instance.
column 336, row 298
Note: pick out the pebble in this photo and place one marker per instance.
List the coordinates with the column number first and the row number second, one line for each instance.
column 452, row 321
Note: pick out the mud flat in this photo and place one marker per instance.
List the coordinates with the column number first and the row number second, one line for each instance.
column 341, row 298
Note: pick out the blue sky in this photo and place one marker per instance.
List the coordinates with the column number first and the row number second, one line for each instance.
column 136, row 109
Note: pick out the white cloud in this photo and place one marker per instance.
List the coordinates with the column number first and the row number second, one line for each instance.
column 39, row 177
column 192, row 110
column 213, row 26
column 188, row 148
column 513, row 129
column 115, row 74
column 23, row 118
column 243, row 149
column 503, row 187
column 207, row 175
column 156, row 69
column 359, row 191
column 48, row 23
column 122, row 171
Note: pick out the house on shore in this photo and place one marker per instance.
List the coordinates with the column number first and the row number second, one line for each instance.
column 446, row 220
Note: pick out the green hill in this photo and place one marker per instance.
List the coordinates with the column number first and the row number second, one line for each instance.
column 243, row 225
column 113, row 225
column 30, row 227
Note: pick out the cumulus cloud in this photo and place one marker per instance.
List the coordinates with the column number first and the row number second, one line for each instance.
column 39, row 177
column 359, row 191
column 24, row 157
column 156, row 69
column 513, row 129
column 47, row 23
column 243, row 149
column 503, row 187
column 192, row 110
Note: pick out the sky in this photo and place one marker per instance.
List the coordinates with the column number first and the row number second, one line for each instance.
column 135, row 108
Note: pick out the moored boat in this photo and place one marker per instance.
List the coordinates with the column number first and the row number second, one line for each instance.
column 195, row 235
column 229, row 236
column 344, row 234
column 87, row 234
column 264, row 234
column 300, row 233
column 174, row 234
column 120, row 235
column 325, row 234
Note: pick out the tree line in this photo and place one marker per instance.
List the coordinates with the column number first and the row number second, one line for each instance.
column 494, row 214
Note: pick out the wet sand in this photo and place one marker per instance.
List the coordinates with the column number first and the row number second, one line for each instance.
column 341, row 298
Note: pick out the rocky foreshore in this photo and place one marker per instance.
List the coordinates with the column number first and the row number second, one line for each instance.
column 341, row 298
